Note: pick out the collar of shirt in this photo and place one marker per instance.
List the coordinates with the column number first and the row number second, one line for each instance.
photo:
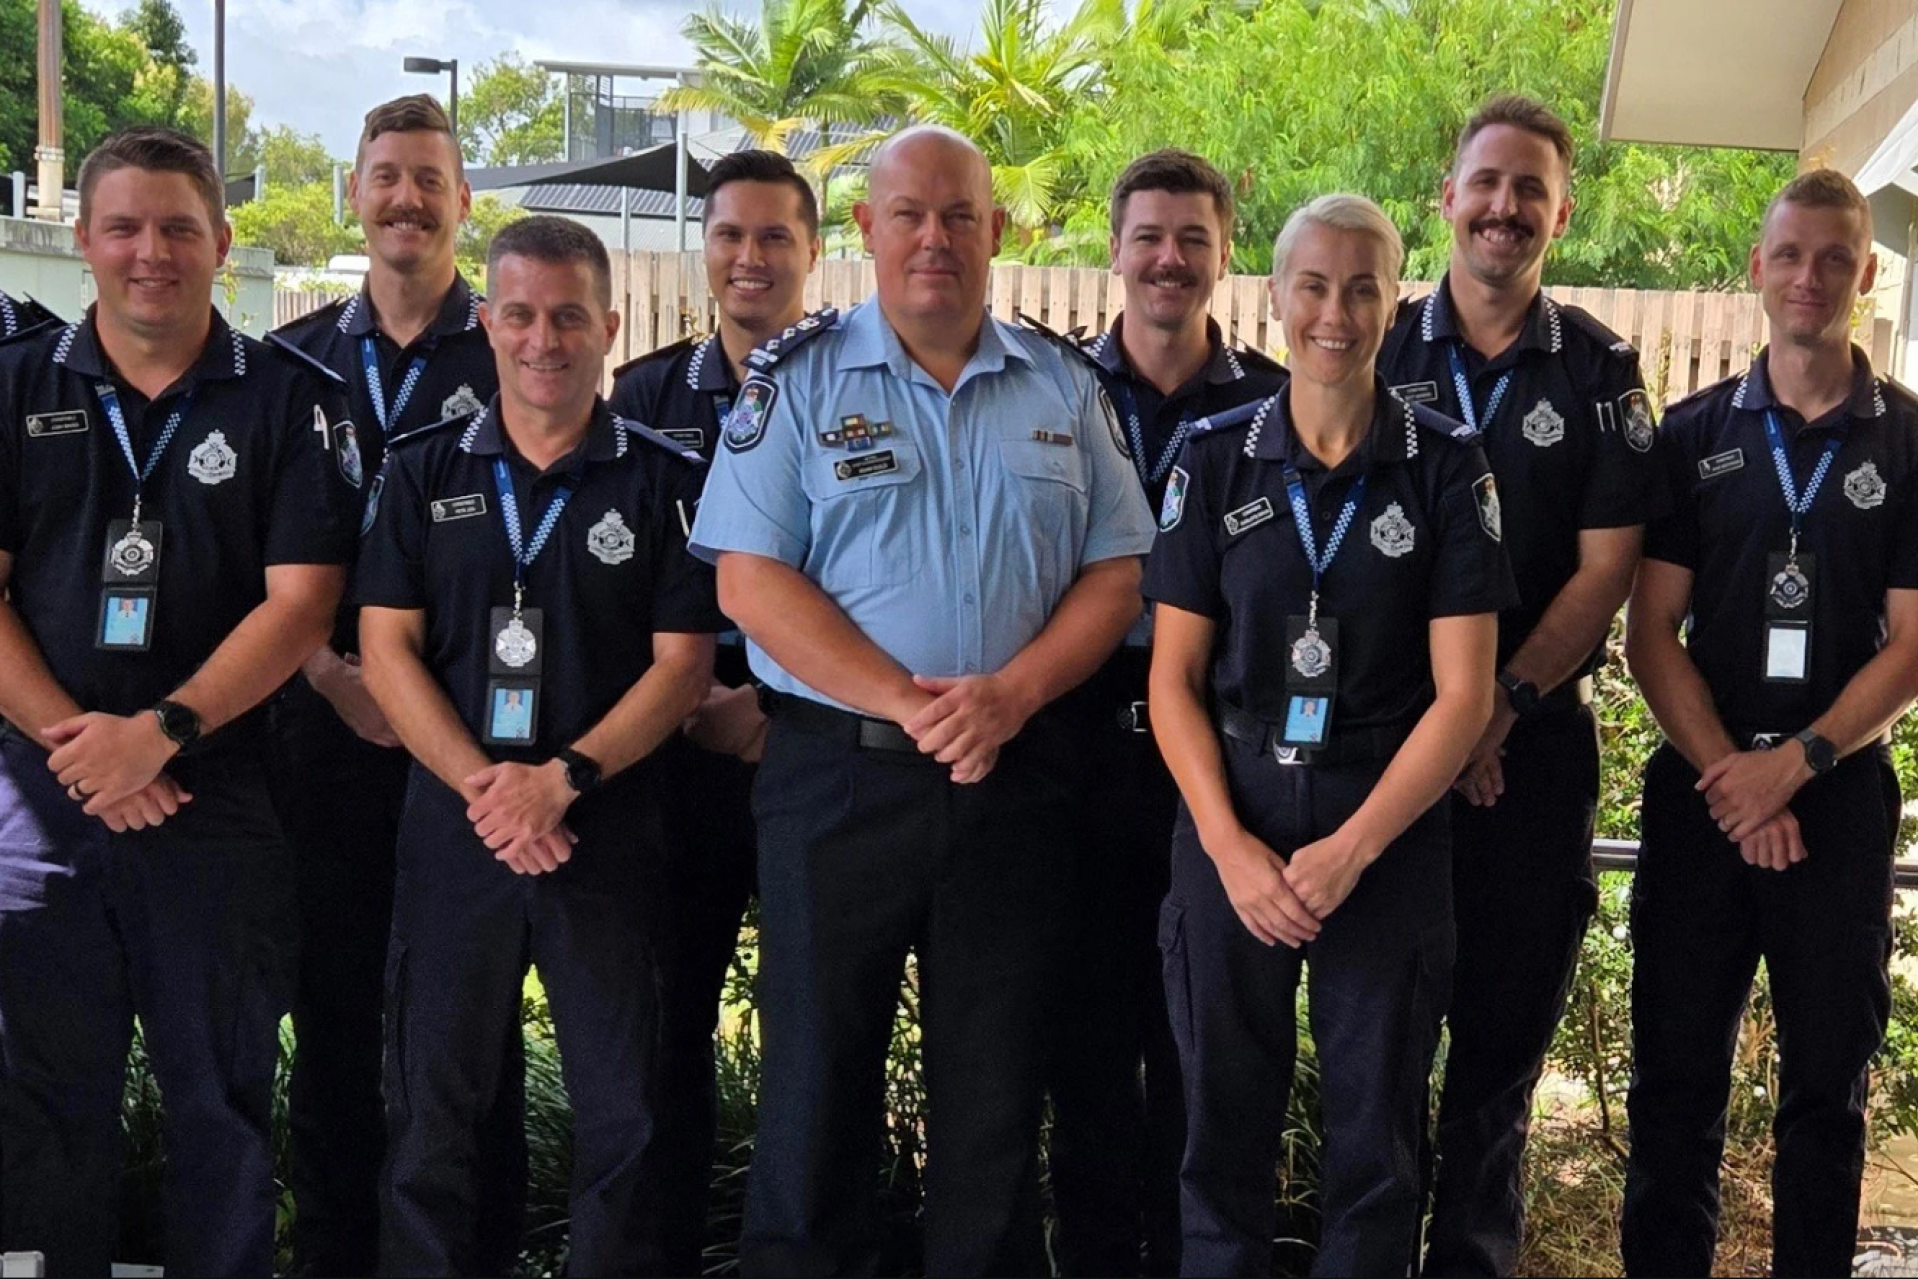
column 1866, row 401
column 1393, row 437
column 222, row 358
column 708, row 369
column 606, row 439
column 1543, row 330
column 1108, row 351
column 870, row 342
column 459, row 313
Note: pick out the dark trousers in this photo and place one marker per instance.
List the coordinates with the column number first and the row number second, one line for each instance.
column 465, row 929
column 1522, row 895
column 339, row 798
column 184, row 926
column 706, row 812
column 865, row 855
column 1380, row 974
column 1701, row 920
column 1118, row 1115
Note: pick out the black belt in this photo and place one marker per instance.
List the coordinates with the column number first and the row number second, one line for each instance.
column 849, row 727
column 1362, row 746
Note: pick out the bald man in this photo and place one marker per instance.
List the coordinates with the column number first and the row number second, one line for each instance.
column 927, row 528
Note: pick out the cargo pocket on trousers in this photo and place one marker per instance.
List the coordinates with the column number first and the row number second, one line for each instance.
column 393, row 1028
column 1177, row 966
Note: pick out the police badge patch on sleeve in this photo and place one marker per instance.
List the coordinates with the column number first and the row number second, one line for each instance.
column 746, row 423
column 1172, row 510
column 1485, row 489
column 1112, row 425
column 1635, row 408
column 346, row 447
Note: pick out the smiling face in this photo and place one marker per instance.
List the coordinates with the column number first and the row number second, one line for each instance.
column 550, row 334
column 410, row 199
column 932, row 228
column 1170, row 251
column 1810, row 267
column 153, row 247
column 758, row 251
column 1507, row 199
column 1335, row 300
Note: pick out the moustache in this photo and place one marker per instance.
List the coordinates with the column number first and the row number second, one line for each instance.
column 1502, row 224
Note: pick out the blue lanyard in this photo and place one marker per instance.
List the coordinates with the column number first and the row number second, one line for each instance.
column 1795, row 502
column 370, row 361
column 1302, row 516
column 524, row 552
column 1136, row 431
column 110, row 401
column 1468, row 410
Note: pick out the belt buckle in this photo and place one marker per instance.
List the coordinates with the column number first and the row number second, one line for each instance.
column 1291, row 756
column 1132, row 718
column 1766, row 741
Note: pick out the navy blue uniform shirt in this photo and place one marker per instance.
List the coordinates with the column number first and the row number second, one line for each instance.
column 1570, row 437
column 1728, row 517
column 21, row 315
column 683, row 391
column 613, row 572
column 259, row 472
column 1423, row 543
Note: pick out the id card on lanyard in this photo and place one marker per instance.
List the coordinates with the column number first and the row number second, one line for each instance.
column 1790, row 577
column 130, row 567
column 1312, row 641
column 516, row 655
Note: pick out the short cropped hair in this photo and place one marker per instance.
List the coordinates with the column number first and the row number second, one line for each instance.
column 414, row 113
column 761, row 166
column 156, row 150
column 1822, row 189
column 1175, row 171
column 555, row 241
column 1344, row 212
column 1519, row 112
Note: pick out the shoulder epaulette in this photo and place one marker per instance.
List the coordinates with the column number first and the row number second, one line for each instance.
column 1067, row 341
column 773, row 350
column 28, row 314
column 659, row 353
column 653, row 437
column 1231, row 418
column 1437, row 423
column 417, row 432
column 1592, row 327
column 276, row 342
column 27, row 332
column 329, row 314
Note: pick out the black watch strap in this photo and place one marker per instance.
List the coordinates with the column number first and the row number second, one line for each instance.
column 582, row 771
column 1522, row 694
column 1820, row 755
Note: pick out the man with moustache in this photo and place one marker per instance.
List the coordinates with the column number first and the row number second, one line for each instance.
column 761, row 241
column 1564, row 419
column 928, row 532
column 410, row 348
column 152, row 454
column 1165, row 366
column 1789, row 563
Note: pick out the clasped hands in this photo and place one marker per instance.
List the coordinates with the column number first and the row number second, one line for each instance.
column 967, row 720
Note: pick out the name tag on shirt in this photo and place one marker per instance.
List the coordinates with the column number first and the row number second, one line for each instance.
column 69, row 422
column 1417, row 392
column 1721, row 464
column 690, row 436
column 858, row 468
column 1248, row 517
column 458, row 508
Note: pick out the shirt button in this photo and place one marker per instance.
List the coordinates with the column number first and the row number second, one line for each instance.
column 969, row 598
column 965, row 530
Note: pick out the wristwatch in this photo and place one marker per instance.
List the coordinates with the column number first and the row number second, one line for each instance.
column 582, row 772
column 1522, row 694
column 1819, row 753
column 181, row 724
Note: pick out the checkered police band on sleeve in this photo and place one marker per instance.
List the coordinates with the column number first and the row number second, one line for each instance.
column 516, row 655
column 1311, row 641
column 1789, row 577
column 130, row 569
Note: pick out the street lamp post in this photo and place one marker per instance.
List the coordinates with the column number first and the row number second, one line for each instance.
column 433, row 66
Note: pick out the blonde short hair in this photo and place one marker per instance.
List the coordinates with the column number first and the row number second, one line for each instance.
column 1344, row 212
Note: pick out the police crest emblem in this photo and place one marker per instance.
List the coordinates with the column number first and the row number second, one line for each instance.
column 1393, row 534
column 1485, row 489
column 1544, row 426
column 460, row 403
column 610, row 541
column 214, row 461
column 346, row 447
column 746, row 423
column 1865, row 487
column 1636, row 408
column 1172, row 510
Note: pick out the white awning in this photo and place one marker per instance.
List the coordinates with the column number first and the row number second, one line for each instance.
column 1890, row 181
column 1718, row 73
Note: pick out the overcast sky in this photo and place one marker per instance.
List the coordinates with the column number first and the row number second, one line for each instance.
column 319, row 64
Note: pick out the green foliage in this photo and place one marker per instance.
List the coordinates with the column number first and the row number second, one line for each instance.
column 512, row 114
column 296, row 222
column 476, row 234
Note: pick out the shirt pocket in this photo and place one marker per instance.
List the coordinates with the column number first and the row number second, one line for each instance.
column 869, row 516
column 1047, row 489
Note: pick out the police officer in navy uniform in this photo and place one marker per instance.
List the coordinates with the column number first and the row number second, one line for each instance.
column 1325, row 582
column 410, row 348
column 1770, row 814
column 156, row 463
column 1114, row 1149
column 22, row 315
column 1563, row 416
column 761, row 242
column 536, row 549
column 927, row 529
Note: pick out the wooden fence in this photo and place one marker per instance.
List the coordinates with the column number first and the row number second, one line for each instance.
column 1686, row 340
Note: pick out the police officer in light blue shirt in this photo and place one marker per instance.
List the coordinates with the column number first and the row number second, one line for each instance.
column 926, row 525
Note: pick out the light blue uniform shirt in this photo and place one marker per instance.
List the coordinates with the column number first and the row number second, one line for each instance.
column 952, row 538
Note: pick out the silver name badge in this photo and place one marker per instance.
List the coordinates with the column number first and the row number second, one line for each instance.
column 458, row 508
